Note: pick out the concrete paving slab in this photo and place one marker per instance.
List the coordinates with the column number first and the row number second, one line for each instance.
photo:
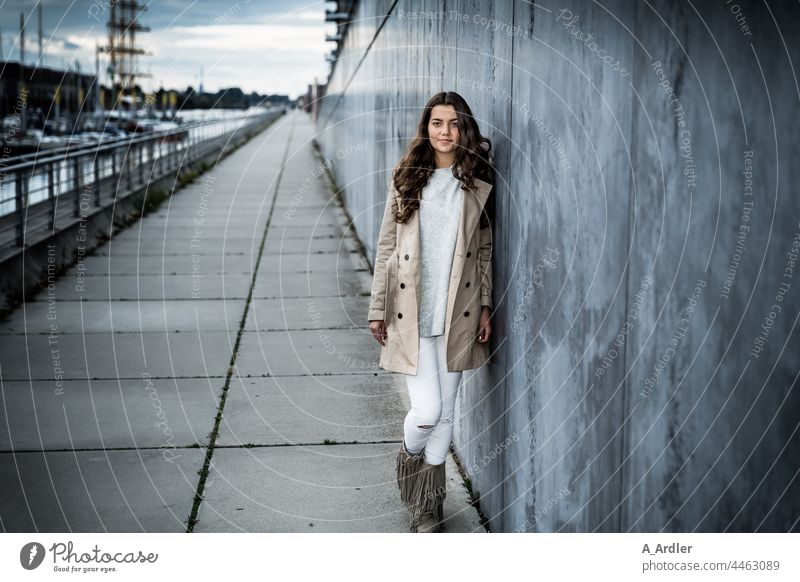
column 226, row 286
column 246, row 200
column 287, row 231
column 225, row 199
column 297, row 247
column 192, row 202
column 215, row 264
column 325, row 200
column 185, row 237
column 311, row 409
column 321, row 488
column 150, row 287
column 315, row 245
column 98, row 491
column 216, row 217
column 142, row 231
column 119, row 355
column 310, row 219
column 319, row 352
column 78, row 317
column 295, row 198
column 183, row 244
column 223, row 223
column 168, row 265
column 222, row 197
column 82, row 414
column 211, row 211
column 194, row 206
column 315, row 284
column 306, row 232
column 298, row 263
column 307, row 313
column 221, row 216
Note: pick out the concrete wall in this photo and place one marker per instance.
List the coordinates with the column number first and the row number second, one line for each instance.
column 627, row 391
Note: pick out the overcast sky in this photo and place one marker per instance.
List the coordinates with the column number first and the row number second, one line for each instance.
column 269, row 46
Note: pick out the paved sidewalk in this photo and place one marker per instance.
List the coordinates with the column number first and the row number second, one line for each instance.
column 112, row 379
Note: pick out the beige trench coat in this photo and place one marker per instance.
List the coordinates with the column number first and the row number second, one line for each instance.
column 396, row 286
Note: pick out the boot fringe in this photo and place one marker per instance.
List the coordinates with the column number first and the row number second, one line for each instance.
column 428, row 495
column 407, row 470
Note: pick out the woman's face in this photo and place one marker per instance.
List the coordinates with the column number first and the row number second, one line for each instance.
column 443, row 129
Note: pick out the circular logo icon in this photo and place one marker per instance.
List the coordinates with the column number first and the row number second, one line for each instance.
column 31, row 555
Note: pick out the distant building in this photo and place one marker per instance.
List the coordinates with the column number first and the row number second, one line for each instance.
column 48, row 89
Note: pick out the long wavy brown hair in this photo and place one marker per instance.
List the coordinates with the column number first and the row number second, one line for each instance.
column 473, row 158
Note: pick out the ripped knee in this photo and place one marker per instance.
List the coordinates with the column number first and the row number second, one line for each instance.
column 425, row 426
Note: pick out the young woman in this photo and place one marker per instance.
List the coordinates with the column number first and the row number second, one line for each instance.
column 431, row 301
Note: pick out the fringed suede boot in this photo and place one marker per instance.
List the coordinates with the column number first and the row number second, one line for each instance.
column 429, row 492
column 407, row 468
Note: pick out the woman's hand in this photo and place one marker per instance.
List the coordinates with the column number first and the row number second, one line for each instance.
column 485, row 326
column 378, row 329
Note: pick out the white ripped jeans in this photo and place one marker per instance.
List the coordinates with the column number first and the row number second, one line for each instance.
column 429, row 423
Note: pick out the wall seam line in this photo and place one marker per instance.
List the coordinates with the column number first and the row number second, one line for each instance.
column 358, row 66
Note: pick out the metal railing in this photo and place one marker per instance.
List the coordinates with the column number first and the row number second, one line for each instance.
column 43, row 192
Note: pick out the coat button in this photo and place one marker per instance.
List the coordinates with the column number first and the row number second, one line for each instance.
column 469, row 253
column 399, row 316
column 467, row 285
column 402, row 285
column 406, row 257
column 466, row 314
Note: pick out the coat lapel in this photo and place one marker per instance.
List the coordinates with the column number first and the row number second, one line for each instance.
column 472, row 206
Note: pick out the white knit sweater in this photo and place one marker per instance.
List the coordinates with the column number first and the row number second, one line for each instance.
column 439, row 216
